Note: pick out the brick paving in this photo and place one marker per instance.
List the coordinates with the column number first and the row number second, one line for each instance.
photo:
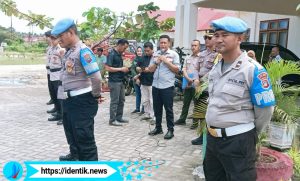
column 26, row 135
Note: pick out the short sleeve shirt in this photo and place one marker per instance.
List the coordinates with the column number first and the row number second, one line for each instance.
column 192, row 66
column 206, row 61
column 163, row 77
column 115, row 60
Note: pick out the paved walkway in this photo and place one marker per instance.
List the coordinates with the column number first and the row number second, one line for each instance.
column 26, row 135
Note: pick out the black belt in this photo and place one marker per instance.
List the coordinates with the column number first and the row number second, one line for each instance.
column 55, row 70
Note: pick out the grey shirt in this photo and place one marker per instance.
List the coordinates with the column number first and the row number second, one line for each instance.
column 229, row 96
column 74, row 76
column 206, row 61
column 55, row 63
column 48, row 52
column 163, row 77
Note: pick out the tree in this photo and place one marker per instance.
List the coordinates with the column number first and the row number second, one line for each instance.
column 167, row 24
column 9, row 8
column 98, row 24
column 138, row 26
column 145, row 28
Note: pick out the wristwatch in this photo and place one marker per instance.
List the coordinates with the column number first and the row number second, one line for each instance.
column 156, row 63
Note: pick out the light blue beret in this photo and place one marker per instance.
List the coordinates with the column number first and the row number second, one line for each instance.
column 229, row 24
column 62, row 25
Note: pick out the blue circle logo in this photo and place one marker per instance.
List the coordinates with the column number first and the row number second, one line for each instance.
column 12, row 170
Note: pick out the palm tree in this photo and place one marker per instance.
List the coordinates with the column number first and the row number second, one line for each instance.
column 286, row 109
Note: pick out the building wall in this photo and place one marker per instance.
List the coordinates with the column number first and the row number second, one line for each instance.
column 294, row 35
column 253, row 20
column 294, row 29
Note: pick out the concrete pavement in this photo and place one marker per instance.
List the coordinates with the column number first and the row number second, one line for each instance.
column 26, row 135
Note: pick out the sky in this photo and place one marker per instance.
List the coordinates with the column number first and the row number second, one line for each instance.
column 59, row 9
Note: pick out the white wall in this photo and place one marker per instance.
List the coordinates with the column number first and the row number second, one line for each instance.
column 294, row 35
column 253, row 20
column 250, row 19
column 183, row 34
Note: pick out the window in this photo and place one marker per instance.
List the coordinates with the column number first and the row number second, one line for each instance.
column 274, row 31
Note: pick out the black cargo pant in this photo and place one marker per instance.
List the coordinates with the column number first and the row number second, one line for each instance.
column 163, row 98
column 54, row 87
column 51, row 91
column 78, row 121
column 231, row 158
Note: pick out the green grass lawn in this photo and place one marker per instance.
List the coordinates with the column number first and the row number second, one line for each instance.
column 15, row 58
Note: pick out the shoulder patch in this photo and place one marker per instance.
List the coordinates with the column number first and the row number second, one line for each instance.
column 88, row 60
column 261, row 89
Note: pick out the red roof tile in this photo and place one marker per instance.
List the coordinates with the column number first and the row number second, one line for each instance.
column 205, row 16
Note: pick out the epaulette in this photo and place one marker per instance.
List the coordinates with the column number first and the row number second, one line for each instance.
column 258, row 65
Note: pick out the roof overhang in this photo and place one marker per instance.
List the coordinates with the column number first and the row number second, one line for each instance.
column 284, row 7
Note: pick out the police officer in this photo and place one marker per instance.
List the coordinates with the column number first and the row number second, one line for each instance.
column 241, row 104
column 190, row 71
column 207, row 59
column 81, row 82
column 48, row 35
column 55, row 65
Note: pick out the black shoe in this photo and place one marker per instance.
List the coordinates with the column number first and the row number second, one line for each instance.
column 123, row 121
column 60, row 122
column 54, row 118
column 145, row 118
column 179, row 122
column 155, row 132
column 197, row 141
column 169, row 135
column 115, row 123
column 68, row 157
column 50, row 102
column 51, row 111
column 56, row 114
column 135, row 111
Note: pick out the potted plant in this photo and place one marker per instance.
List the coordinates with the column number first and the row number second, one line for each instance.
column 295, row 156
column 283, row 123
column 272, row 165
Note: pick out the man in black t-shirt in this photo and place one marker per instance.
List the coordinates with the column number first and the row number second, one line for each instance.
column 146, row 79
column 117, row 71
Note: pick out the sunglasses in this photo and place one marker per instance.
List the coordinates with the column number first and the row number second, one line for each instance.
column 207, row 37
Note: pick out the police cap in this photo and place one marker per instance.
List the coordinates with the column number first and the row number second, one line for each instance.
column 62, row 26
column 229, row 24
column 209, row 33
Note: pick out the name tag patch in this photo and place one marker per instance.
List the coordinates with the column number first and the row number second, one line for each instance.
column 236, row 82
